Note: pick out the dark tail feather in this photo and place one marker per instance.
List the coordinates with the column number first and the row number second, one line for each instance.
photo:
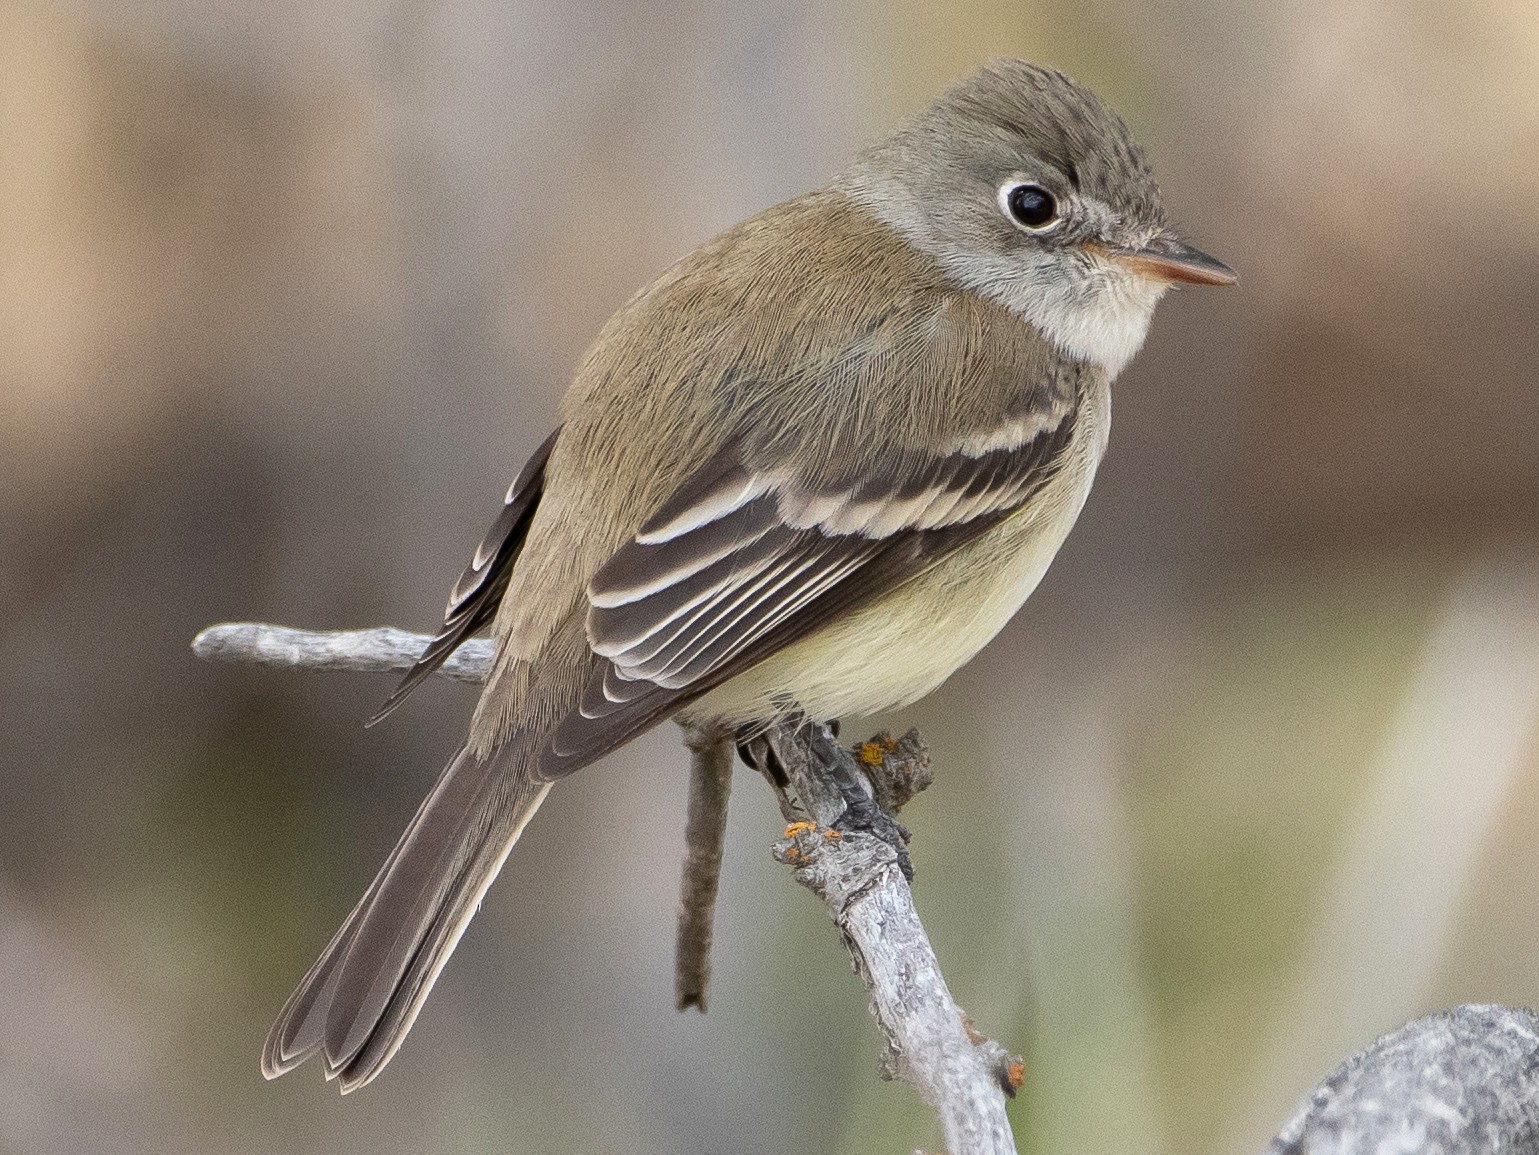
column 358, row 1001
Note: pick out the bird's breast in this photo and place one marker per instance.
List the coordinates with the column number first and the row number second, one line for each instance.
column 902, row 646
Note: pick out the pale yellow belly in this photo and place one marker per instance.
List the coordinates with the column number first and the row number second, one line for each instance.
column 901, row 647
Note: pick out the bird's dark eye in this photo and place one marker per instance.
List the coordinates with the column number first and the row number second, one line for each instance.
column 1031, row 206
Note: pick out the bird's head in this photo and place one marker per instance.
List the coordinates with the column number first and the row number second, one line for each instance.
column 1029, row 190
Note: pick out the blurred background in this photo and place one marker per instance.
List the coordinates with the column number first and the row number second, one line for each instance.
column 288, row 292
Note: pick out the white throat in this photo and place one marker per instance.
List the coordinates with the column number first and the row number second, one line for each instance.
column 1097, row 311
column 1101, row 314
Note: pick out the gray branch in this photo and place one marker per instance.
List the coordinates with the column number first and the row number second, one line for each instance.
column 1461, row 1082
column 931, row 1043
column 383, row 649
column 964, row 1077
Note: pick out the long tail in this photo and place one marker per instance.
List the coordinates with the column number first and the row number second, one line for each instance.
column 362, row 995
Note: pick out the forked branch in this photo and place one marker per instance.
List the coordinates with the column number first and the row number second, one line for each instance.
column 861, row 879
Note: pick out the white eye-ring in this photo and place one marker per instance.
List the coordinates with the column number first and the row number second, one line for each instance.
column 1029, row 206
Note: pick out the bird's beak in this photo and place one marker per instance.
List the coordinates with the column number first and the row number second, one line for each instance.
column 1167, row 258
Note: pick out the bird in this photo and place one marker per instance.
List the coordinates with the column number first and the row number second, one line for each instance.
column 814, row 466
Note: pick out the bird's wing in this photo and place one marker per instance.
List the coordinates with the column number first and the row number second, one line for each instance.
column 743, row 561
column 474, row 600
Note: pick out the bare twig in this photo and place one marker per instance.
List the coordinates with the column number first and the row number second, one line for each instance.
column 931, row 1043
column 711, row 754
column 861, row 878
column 383, row 649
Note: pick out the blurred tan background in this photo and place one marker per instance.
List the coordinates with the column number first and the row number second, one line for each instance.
column 288, row 291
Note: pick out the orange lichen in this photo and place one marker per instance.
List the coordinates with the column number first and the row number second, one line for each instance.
column 831, row 836
column 872, row 753
column 1016, row 1074
column 797, row 828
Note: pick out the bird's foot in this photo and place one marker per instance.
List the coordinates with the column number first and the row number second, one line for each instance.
column 863, row 816
column 861, row 812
